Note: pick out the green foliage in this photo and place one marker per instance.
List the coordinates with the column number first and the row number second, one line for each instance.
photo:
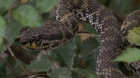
column 121, row 7
column 39, row 65
column 92, row 76
column 2, row 30
column 61, row 72
column 13, row 29
column 134, row 36
column 124, row 5
column 84, row 72
column 27, row 15
column 129, row 55
column 65, row 54
column 90, row 28
column 77, row 59
column 85, row 47
column 46, row 5
column 5, row 5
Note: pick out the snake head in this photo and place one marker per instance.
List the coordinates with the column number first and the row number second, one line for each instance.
column 46, row 37
column 35, row 39
column 30, row 39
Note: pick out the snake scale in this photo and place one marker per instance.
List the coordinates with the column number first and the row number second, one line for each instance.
column 60, row 32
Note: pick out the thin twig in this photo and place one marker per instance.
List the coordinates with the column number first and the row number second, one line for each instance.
column 83, row 31
column 18, row 36
column 51, row 59
column 88, row 35
column 12, row 54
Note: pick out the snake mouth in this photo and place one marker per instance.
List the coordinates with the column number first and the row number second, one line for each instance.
column 26, row 46
column 35, row 45
column 30, row 45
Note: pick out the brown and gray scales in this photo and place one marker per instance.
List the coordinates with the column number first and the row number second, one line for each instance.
column 55, row 34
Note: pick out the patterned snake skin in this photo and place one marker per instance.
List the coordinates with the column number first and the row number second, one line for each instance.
column 55, row 34
column 133, row 20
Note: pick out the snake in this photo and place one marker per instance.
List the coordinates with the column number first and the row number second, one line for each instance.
column 112, row 36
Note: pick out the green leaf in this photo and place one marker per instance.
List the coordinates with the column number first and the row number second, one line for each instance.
column 90, row 28
column 134, row 36
column 15, row 65
column 65, row 54
column 91, row 59
column 31, row 2
column 2, row 30
column 39, row 65
column 27, row 15
column 88, row 47
column 61, row 73
column 46, row 5
column 6, row 4
column 77, row 40
column 13, row 29
column 124, row 6
column 92, row 76
column 91, row 64
column 83, row 72
column 129, row 55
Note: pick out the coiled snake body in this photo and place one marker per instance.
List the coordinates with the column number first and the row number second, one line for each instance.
column 55, row 34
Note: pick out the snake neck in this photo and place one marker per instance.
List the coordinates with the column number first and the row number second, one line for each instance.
column 109, row 32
